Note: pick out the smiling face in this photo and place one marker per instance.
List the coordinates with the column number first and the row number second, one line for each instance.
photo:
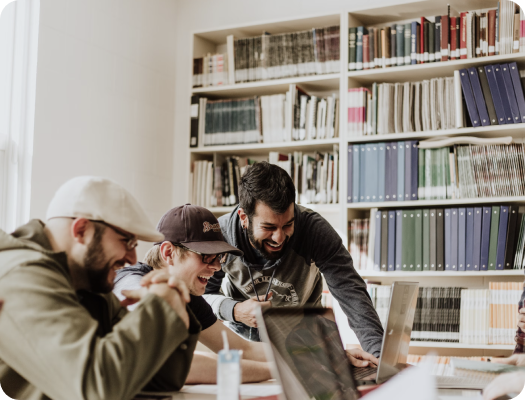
column 190, row 269
column 268, row 231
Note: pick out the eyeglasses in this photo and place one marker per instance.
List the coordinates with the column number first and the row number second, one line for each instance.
column 208, row 258
column 131, row 241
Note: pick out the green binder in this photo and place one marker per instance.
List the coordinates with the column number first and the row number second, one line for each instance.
column 493, row 243
column 418, row 229
column 426, row 240
column 408, row 255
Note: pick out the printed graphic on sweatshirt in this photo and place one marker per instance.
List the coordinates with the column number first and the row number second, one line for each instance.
column 284, row 293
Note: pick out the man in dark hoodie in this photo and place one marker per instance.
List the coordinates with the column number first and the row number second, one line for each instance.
column 286, row 248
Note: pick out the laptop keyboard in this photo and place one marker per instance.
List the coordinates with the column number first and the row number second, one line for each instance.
column 360, row 373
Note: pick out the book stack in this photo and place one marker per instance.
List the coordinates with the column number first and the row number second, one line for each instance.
column 380, row 295
column 295, row 115
column 490, row 316
column 437, row 316
column 358, row 242
column 401, row 171
column 310, row 52
column 450, row 239
column 446, row 37
column 210, row 70
column 403, row 107
column 493, row 94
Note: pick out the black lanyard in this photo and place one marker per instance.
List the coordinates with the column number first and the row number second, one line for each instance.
column 269, row 284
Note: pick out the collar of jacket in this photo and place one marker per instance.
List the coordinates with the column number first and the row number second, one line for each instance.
column 138, row 269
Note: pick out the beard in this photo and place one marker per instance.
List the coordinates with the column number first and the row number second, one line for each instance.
column 259, row 245
column 93, row 260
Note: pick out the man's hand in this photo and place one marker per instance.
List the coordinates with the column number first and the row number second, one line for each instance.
column 172, row 296
column 245, row 312
column 360, row 358
column 505, row 383
column 515, row 359
column 521, row 319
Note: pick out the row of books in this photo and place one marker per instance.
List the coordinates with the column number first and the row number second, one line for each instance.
column 441, row 366
column 452, row 36
column 490, row 316
column 358, row 230
column 401, row 171
column 493, row 94
column 402, row 107
column 450, row 239
column 459, row 315
column 309, row 52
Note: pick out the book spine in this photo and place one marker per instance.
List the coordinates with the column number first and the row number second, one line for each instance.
column 502, row 237
column 433, row 239
column 469, row 97
column 485, row 239
column 518, row 89
column 437, row 38
column 391, row 240
column 400, row 44
column 495, row 94
column 381, row 171
column 510, row 246
column 476, row 246
column 431, row 42
column 377, row 241
column 462, row 228
column 424, row 41
column 384, row 240
column 366, row 52
column 418, row 240
column 408, row 44
column 440, row 248
column 498, row 72
column 352, row 37
column 444, row 38
column 400, row 171
column 371, row 46
column 426, row 240
column 478, row 96
column 350, row 165
column 414, row 170
column 399, row 239
column 453, row 38
column 359, row 49
column 463, row 36
column 487, row 96
column 454, row 215
column 509, row 89
column 393, row 45
column 448, row 239
column 491, row 32
column 356, row 173
column 469, row 247
column 408, row 170
column 493, row 241
column 194, row 121
column 413, row 36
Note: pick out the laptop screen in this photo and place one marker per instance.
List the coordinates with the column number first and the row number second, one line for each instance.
column 307, row 341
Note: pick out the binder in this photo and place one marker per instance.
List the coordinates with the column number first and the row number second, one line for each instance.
column 440, row 248
column 380, row 166
column 350, row 165
column 498, row 73
column 509, row 88
column 391, row 258
column 496, row 97
column 485, row 239
column 454, row 239
column 469, row 97
column 407, row 45
column 408, row 170
column 414, row 170
column 356, row 186
column 399, row 239
column 487, row 96
column 478, row 96
column 400, row 171
column 418, row 242
column 388, row 172
column 476, row 247
column 384, row 240
column 400, row 44
column 502, row 237
column 408, row 253
column 469, row 247
column 377, row 242
column 433, row 259
column 393, row 170
column 493, row 241
column 462, row 229
column 448, row 239
column 372, row 172
column 510, row 247
column 518, row 89
column 413, row 44
column 426, row 240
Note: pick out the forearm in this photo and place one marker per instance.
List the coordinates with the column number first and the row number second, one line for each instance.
column 204, row 370
column 222, row 306
column 254, row 351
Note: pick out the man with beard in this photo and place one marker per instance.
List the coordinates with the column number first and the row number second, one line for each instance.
column 64, row 335
column 286, row 248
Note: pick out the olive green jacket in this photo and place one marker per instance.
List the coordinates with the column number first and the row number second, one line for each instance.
column 61, row 344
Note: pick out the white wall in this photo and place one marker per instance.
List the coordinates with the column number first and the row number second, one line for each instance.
column 205, row 15
column 105, row 98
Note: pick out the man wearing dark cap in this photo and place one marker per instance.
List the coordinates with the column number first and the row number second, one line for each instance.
column 192, row 252
column 286, row 249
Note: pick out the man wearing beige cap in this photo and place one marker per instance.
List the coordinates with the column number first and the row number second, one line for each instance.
column 63, row 334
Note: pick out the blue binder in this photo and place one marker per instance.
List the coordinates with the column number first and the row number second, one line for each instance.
column 509, row 88
column 462, row 237
column 448, row 239
column 408, row 170
column 414, row 172
column 454, row 239
column 400, row 171
column 350, row 165
column 388, row 172
column 485, row 239
column 476, row 247
column 371, row 173
column 381, row 162
column 356, row 173
column 469, row 97
column 399, row 238
column 518, row 89
column 498, row 73
column 478, row 96
column 393, row 169
column 494, row 92
column 362, row 169
column 377, row 243
column 391, row 241
column 413, row 42
column 502, row 237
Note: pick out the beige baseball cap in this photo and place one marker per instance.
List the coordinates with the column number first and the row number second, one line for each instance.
column 101, row 199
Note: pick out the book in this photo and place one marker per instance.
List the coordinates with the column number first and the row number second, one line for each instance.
column 469, row 97
column 476, row 246
column 433, row 239
column 352, row 39
column 418, row 240
column 487, row 96
column 454, row 220
column 502, row 237
column 426, row 239
column 462, row 239
column 440, row 248
column 494, row 227
column 478, row 96
column 485, row 238
column 384, row 241
column 399, row 240
column 391, row 258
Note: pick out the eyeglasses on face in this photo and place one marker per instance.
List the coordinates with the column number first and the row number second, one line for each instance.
column 129, row 240
column 207, row 258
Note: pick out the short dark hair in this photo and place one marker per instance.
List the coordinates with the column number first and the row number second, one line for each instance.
column 267, row 183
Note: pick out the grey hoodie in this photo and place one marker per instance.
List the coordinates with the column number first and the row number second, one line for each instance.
column 313, row 249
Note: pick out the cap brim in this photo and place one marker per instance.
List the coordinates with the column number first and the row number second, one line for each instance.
column 213, row 247
column 152, row 236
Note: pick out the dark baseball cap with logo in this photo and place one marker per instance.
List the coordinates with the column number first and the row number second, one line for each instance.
column 196, row 228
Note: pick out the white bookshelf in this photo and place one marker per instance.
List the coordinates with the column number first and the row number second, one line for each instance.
column 339, row 214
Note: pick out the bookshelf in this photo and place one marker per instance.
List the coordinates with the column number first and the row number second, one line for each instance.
column 339, row 214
